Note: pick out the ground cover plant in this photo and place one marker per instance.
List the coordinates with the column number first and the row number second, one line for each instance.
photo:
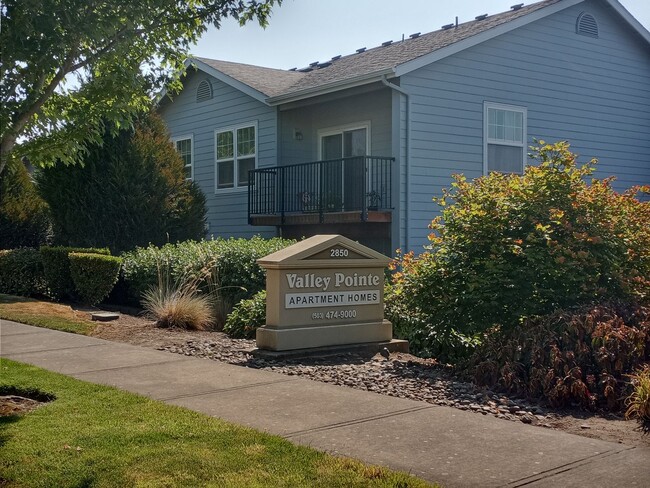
column 247, row 317
column 92, row 435
column 580, row 357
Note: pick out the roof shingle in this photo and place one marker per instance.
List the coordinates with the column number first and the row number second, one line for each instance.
column 276, row 82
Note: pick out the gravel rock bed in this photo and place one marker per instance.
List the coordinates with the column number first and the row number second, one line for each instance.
column 401, row 375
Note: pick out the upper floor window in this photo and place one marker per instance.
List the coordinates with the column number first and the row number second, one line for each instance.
column 236, row 154
column 185, row 147
column 505, row 138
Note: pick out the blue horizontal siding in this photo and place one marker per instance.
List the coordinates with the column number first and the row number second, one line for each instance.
column 227, row 211
column 592, row 92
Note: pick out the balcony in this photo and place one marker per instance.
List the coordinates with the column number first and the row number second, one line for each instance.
column 347, row 190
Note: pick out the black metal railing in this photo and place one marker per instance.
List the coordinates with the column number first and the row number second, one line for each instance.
column 355, row 184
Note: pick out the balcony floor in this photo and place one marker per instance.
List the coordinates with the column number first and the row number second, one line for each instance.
column 315, row 218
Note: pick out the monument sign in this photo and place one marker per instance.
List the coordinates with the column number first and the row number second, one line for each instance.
column 324, row 291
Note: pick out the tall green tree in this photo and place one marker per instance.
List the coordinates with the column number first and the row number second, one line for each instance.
column 130, row 191
column 69, row 66
column 23, row 214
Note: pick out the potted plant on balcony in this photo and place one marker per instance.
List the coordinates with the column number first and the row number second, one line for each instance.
column 332, row 202
column 374, row 199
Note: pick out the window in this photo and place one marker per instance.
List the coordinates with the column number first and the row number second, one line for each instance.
column 235, row 154
column 185, row 147
column 344, row 142
column 504, row 138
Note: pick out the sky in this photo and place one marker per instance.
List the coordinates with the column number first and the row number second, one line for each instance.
column 303, row 31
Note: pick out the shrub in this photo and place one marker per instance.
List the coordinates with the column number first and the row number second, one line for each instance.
column 21, row 272
column 23, row 214
column 638, row 403
column 93, row 275
column 246, row 317
column 577, row 357
column 56, row 266
column 133, row 183
column 232, row 263
column 178, row 303
column 507, row 247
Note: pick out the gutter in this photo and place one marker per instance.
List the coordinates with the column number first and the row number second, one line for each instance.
column 407, row 151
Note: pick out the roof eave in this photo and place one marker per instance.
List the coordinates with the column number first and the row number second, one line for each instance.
column 638, row 27
column 459, row 46
column 331, row 87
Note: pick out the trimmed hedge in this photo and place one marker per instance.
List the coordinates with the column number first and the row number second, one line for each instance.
column 93, row 275
column 21, row 272
column 56, row 266
column 246, row 317
column 233, row 275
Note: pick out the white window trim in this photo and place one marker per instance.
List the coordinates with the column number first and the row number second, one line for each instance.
column 486, row 140
column 340, row 129
column 191, row 138
column 233, row 128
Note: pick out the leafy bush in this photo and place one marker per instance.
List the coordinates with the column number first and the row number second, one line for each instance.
column 21, row 272
column 133, row 183
column 23, row 214
column 93, row 275
column 246, row 317
column 507, row 247
column 178, row 303
column 638, row 403
column 578, row 357
column 234, row 273
column 56, row 266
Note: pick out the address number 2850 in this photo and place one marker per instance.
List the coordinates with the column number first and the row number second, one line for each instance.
column 339, row 253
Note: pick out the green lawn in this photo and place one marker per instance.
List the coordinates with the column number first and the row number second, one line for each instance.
column 44, row 314
column 93, row 435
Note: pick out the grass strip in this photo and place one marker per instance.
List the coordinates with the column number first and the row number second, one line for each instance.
column 44, row 314
column 93, row 435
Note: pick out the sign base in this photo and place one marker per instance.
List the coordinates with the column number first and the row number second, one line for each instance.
column 367, row 348
column 284, row 339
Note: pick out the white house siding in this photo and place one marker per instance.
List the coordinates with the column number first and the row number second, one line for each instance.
column 592, row 92
column 227, row 211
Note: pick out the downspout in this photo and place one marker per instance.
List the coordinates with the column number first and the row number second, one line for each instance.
column 407, row 153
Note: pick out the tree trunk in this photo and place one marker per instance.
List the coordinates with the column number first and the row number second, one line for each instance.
column 6, row 146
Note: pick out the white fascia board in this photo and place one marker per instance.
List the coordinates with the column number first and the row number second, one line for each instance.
column 459, row 46
column 330, row 88
column 622, row 11
column 228, row 80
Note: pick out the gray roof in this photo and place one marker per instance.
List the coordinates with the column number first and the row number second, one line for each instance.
column 268, row 81
column 276, row 82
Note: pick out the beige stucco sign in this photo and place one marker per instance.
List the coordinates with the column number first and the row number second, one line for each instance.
column 324, row 291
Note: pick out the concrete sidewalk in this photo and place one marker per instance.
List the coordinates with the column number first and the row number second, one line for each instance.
column 441, row 444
